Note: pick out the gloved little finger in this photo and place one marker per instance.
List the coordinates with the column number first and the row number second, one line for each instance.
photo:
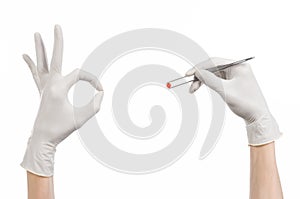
column 30, row 64
column 33, row 70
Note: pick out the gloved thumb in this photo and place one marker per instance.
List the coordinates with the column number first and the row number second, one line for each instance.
column 211, row 80
column 83, row 114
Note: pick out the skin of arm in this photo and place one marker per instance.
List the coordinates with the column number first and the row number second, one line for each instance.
column 39, row 187
column 264, row 177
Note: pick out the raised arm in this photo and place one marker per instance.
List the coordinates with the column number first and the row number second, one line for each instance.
column 56, row 118
column 264, row 177
column 239, row 89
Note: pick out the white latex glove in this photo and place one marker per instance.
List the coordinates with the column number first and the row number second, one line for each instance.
column 240, row 91
column 56, row 118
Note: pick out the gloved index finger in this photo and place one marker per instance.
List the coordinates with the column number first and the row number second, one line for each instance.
column 190, row 72
column 78, row 75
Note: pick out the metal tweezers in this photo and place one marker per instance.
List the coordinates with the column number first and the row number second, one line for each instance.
column 213, row 69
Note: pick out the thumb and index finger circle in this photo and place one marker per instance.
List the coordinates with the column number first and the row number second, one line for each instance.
column 84, row 113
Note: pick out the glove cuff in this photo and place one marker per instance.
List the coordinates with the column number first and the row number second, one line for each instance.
column 39, row 159
column 263, row 131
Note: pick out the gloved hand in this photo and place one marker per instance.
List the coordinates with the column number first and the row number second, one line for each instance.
column 240, row 91
column 56, row 118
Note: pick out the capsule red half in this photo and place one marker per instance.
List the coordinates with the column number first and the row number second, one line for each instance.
column 169, row 85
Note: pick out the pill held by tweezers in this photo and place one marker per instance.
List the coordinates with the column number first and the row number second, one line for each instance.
column 213, row 69
column 169, row 85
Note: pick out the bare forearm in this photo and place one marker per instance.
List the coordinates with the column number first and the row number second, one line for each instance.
column 39, row 187
column 264, row 177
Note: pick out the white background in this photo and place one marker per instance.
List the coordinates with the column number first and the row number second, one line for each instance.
column 237, row 29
